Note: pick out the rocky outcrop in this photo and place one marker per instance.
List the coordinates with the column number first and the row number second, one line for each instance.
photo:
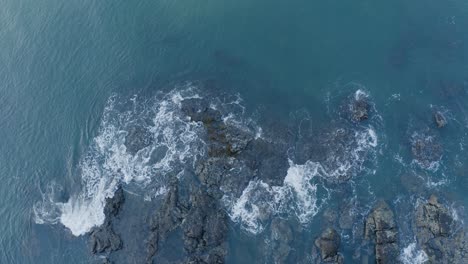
column 380, row 227
column 360, row 109
column 328, row 244
column 433, row 223
column 103, row 239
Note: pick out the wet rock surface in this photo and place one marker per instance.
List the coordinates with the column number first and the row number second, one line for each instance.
column 103, row 239
column 360, row 110
column 328, row 244
column 380, row 227
column 435, row 234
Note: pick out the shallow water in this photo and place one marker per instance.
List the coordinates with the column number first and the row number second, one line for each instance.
column 63, row 64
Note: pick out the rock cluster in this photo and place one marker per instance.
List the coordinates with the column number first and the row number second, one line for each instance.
column 191, row 211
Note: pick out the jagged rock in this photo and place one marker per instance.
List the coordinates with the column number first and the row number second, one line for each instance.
column 434, row 233
column 440, row 119
column 114, row 204
column 360, row 109
column 205, row 225
column 380, row 227
column 202, row 223
column 104, row 239
column 168, row 217
column 432, row 220
column 328, row 244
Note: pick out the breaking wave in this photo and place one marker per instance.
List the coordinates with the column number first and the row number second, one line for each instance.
column 144, row 142
column 118, row 155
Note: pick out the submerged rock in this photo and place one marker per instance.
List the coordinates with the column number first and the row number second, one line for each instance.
column 138, row 138
column 328, row 244
column 426, row 149
column 413, row 183
column 380, row 227
column 440, row 119
column 281, row 238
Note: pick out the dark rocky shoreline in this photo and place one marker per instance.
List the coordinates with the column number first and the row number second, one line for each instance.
column 190, row 225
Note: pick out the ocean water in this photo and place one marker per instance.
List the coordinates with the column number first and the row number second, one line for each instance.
column 76, row 76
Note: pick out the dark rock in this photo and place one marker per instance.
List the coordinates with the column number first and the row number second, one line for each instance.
column 168, row 217
column 360, row 110
column 205, row 225
column 328, row 244
column 138, row 138
column 380, row 227
column 202, row 223
column 114, row 204
column 440, row 119
column 104, row 239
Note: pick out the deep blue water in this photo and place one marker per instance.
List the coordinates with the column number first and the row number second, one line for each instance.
column 61, row 61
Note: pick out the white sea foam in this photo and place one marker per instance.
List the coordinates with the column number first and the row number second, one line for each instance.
column 360, row 94
column 297, row 196
column 108, row 164
column 412, row 255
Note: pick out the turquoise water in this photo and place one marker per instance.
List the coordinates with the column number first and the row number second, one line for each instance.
column 61, row 61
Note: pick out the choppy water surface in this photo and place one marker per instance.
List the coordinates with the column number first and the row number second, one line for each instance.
column 98, row 95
